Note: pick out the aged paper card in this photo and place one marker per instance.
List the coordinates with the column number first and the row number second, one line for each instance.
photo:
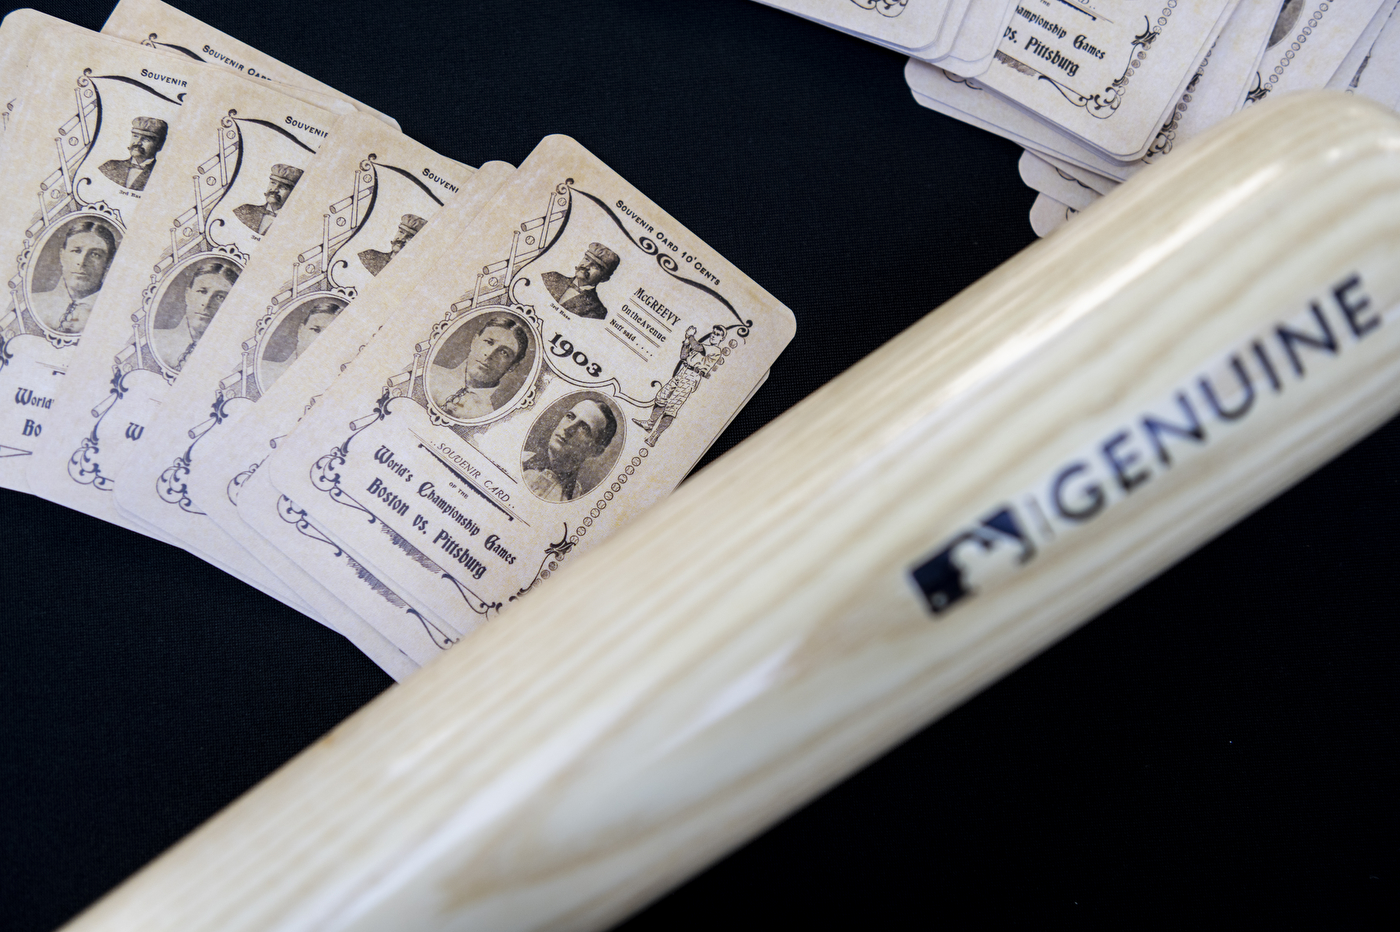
column 18, row 32
column 1309, row 42
column 546, row 387
column 1106, row 72
column 1040, row 175
column 1379, row 79
column 86, row 144
column 274, row 529
column 1357, row 60
column 965, row 99
column 1048, row 215
column 367, row 195
column 174, row 273
column 1214, row 91
column 160, row 25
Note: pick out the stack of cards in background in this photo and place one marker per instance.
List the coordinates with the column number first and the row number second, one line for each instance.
column 251, row 318
column 1118, row 95
column 1095, row 90
column 960, row 36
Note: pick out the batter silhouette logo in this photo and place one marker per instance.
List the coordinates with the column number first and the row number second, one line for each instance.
column 968, row 561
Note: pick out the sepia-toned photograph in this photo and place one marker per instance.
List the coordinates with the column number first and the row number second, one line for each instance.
column 280, row 182
column 572, row 446
column 68, row 274
column 300, row 325
column 1288, row 15
column 578, row 294
column 374, row 260
column 481, row 366
column 147, row 139
column 187, row 307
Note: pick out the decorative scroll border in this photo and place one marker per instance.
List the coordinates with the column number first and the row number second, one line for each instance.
column 494, row 287
column 192, row 239
column 59, row 201
column 1263, row 87
column 1105, row 103
column 289, row 512
column 1166, row 136
column 326, row 476
column 887, row 8
column 312, row 275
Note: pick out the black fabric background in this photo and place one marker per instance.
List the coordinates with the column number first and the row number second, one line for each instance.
column 1222, row 742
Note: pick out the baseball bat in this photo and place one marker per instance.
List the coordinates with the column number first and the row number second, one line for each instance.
column 1053, row 437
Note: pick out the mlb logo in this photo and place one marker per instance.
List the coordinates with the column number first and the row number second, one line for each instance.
column 973, row 560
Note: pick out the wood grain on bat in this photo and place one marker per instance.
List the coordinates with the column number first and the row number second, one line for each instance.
column 777, row 623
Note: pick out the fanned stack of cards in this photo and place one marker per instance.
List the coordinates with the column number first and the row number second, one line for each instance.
column 960, row 36
column 1094, row 90
column 251, row 318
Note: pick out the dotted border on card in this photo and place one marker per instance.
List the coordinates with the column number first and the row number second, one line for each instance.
column 1298, row 41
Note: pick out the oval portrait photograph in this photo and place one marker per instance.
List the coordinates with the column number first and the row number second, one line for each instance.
column 480, row 367
column 69, row 269
column 186, row 306
column 292, row 332
column 1287, row 18
column 572, row 446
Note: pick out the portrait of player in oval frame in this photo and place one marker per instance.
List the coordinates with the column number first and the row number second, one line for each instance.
column 1288, row 14
column 185, row 305
column 572, row 446
column 69, row 269
column 291, row 333
column 480, row 368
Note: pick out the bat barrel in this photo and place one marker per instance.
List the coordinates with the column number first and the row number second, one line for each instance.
column 1050, row 439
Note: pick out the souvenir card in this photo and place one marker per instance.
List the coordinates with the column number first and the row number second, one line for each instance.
column 1217, row 89
column 273, row 528
column 1308, row 43
column 233, row 160
column 19, row 29
column 18, row 32
column 84, row 147
column 1168, row 119
column 1048, row 215
column 964, row 99
column 160, row 25
column 1107, row 73
column 1040, row 175
column 1191, row 82
column 1213, row 93
column 553, row 380
column 1380, row 80
column 306, row 556
column 904, row 25
column 1358, row 58
column 354, row 209
column 1378, row 75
